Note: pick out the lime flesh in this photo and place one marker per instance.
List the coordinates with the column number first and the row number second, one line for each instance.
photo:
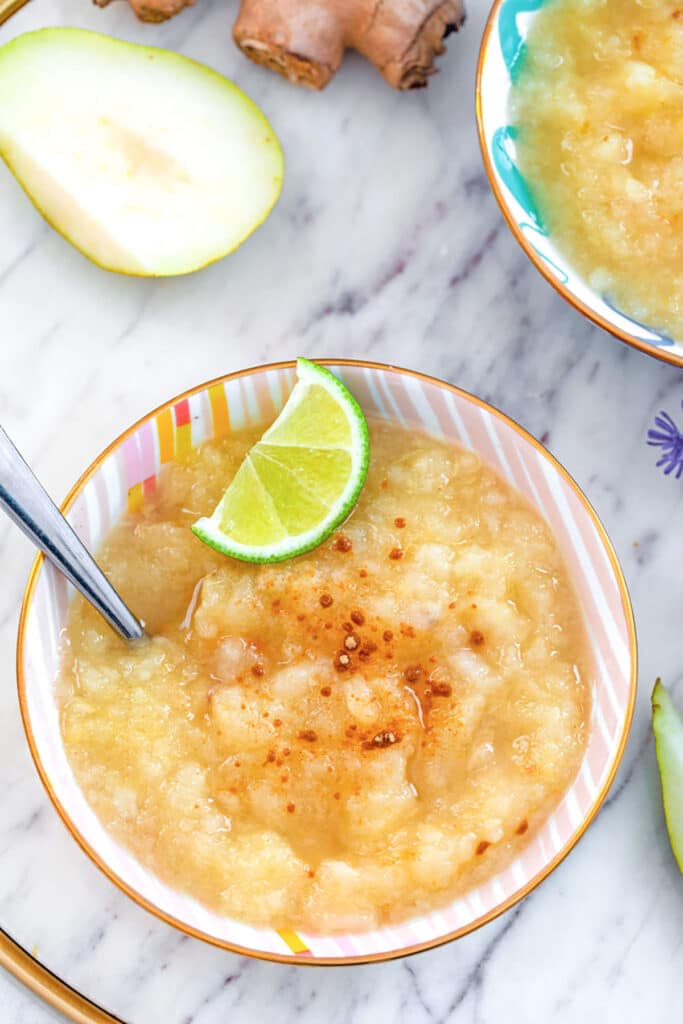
column 667, row 725
column 300, row 481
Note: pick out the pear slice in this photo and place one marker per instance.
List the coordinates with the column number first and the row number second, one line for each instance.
column 667, row 725
column 146, row 161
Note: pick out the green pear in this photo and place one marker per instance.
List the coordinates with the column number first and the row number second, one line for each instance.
column 146, row 161
column 667, row 725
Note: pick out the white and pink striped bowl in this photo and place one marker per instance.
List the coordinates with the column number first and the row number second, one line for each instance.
column 119, row 478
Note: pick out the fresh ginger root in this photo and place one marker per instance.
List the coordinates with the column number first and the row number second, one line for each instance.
column 305, row 40
column 153, row 10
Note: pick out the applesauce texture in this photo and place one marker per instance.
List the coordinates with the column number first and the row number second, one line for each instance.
column 346, row 738
column 599, row 111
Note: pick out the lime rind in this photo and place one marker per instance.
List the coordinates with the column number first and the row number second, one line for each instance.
column 352, row 437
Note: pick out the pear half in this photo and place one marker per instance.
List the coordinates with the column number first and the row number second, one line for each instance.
column 146, row 161
column 667, row 725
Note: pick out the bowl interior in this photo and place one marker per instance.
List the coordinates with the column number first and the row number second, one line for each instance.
column 500, row 62
column 120, row 478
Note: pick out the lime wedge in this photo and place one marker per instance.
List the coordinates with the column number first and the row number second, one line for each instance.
column 300, row 481
column 667, row 725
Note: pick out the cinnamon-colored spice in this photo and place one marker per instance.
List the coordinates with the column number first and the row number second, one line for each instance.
column 483, row 846
column 342, row 661
column 381, row 740
column 476, row 637
column 309, row 735
column 399, row 522
column 395, row 554
column 342, row 543
column 326, row 600
column 367, row 648
column 326, row 691
column 357, row 617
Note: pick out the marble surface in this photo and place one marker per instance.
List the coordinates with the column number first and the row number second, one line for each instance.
column 387, row 243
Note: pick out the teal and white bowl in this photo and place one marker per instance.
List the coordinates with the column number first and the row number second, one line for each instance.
column 500, row 59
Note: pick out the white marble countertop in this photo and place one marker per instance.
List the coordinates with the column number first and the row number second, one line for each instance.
column 388, row 244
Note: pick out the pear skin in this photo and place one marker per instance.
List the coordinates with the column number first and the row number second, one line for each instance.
column 667, row 726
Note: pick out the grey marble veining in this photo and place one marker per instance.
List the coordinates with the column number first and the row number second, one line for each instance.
column 388, row 244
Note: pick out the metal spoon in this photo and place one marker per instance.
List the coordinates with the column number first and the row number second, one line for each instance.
column 29, row 505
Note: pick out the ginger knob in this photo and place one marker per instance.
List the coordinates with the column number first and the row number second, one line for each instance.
column 305, row 40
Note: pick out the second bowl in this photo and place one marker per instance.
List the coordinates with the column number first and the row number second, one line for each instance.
column 500, row 59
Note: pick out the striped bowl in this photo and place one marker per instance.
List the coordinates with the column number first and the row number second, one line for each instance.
column 500, row 60
column 127, row 470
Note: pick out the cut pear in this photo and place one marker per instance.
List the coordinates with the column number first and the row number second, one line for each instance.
column 667, row 725
column 146, row 161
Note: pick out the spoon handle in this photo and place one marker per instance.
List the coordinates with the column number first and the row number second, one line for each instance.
column 28, row 504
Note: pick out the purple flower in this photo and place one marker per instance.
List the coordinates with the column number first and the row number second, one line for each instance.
column 668, row 437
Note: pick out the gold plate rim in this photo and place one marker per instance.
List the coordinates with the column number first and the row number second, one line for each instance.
column 10, row 7
column 46, row 985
